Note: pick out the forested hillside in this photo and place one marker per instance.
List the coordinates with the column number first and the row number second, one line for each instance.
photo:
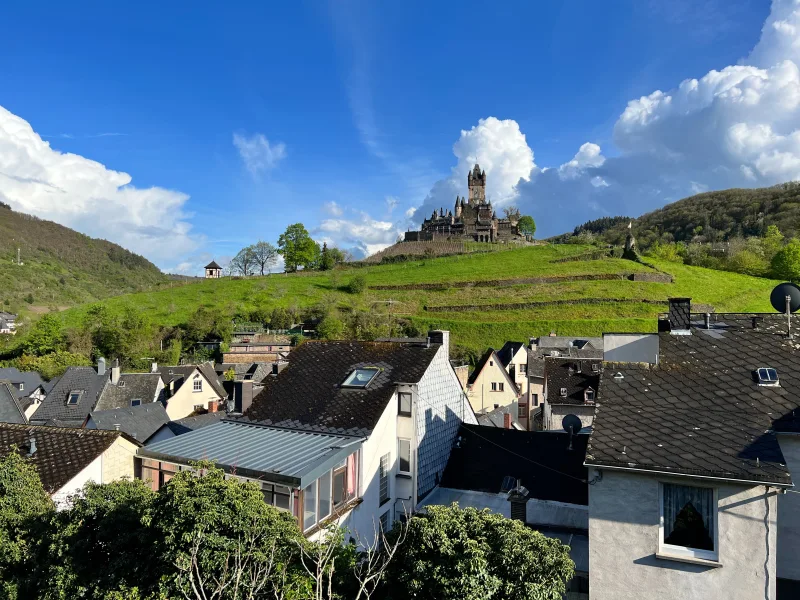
column 709, row 217
column 61, row 267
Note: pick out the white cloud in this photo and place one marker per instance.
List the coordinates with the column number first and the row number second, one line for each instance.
column 333, row 209
column 363, row 235
column 257, row 153
column 87, row 196
column 588, row 157
column 391, row 203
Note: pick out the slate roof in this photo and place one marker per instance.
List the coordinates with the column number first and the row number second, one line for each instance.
column 579, row 343
column 507, row 352
column 212, row 265
column 10, row 409
column 480, row 365
column 188, row 424
column 54, row 406
column 181, row 372
column 131, row 386
column 484, row 456
column 536, row 357
column 30, row 380
column 207, row 369
column 496, row 417
column 61, row 453
column 563, row 373
column 308, row 393
column 700, row 411
column 139, row 422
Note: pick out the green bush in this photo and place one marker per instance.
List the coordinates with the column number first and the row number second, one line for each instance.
column 786, row 263
column 357, row 285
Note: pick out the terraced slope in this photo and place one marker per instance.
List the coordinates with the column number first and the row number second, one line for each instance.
column 483, row 299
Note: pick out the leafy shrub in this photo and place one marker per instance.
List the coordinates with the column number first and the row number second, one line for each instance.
column 357, row 285
column 786, row 263
column 50, row 365
column 330, row 328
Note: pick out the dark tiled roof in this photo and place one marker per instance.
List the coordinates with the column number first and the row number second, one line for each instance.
column 207, row 369
column 196, row 422
column 562, row 373
column 131, row 386
column 496, row 417
column 61, row 453
column 30, row 380
column 507, row 352
column 139, row 422
column 540, row 459
column 177, row 372
column 536, row 358
column 10, row 409
column 700, row 411
column 479, row 367
column 308, row 393
column 212, row 265
column 564, row 342
column 55, row 406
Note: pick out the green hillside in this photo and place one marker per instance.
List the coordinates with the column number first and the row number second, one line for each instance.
column 483, row 299
column 62, row 267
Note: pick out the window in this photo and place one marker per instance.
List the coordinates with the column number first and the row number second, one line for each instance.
column 21, row 386
column 361, row 378
column 339, row 485
column 522, row 411
column 589, row 395
column 310, row 506
column 688, row 524
column 276, row 495
column 500, row 386
column 121, row 383
column 523, row 368
column 404, row 399
column 595, row 367
column 491, row 363
column 404, row 456
column 324, row 495
column 535, row 398
column 197, row 385
column 74, row 397
column 384, row 522
column 384, row 478
column 767, row 376
column 494, row 386
column 563, row 392
column 136, row 402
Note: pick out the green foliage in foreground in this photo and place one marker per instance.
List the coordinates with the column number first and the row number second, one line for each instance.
column 469, row 554
column 206, row 536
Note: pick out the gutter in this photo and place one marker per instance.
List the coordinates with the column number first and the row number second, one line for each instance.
column 674, row 474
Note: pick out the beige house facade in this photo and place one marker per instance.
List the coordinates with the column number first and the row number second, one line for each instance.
column 490, row 386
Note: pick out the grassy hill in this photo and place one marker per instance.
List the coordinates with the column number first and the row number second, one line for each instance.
column 708, row 217
column 483, row 299
column 62, row 267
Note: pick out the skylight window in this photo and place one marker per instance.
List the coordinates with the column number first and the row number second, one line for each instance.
column 767, row 376
column 563, row 392
column 136, row 402
column 361, row 378
column 74, row 397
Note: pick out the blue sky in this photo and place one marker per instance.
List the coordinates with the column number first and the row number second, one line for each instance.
column 233, row 122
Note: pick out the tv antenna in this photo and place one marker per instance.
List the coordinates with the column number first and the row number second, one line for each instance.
column 572, row 425
column 785, row 298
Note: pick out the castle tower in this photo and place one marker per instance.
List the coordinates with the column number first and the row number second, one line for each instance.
column 458, row 207
column 476, row 180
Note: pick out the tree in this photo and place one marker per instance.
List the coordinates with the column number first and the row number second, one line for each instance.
column 281, row 319
column 23, row 501
column 326, row 261
column 244, row 263
column 527, row 226
column 786, row 263
column 357, row 285
column 511, row 213
column 452, row 553
column 772, row 241
column 330, row 328
column 265, row 255
column 297, row 247
column 45, row 337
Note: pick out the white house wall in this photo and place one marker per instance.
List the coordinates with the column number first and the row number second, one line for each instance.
column 92, row 472
column 182, row 403
column 624, row 530
column 789, row 513
column 441, row 407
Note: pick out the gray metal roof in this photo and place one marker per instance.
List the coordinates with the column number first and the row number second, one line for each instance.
column 295, row 458
column 139, row 422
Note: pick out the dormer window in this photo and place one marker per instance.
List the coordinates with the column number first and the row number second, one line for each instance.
column 588, row 395
column 563, row 392
column 595, row 367
column 21, row 387
column 767, row 376
column 74, row 397
column 121, row 383
column 136, row 402
column 361, row 378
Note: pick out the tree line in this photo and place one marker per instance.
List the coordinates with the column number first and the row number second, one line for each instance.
column 298, row 249
column 205, row 536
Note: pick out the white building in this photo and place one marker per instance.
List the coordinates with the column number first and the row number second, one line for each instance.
column 356, row 433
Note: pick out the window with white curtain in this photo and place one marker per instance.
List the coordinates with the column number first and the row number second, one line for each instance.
column 688, row 524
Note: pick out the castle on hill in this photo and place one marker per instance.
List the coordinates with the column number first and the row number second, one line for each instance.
column 472, row 219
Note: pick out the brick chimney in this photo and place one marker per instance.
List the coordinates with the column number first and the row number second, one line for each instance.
column 212, row 406
column 507, row 420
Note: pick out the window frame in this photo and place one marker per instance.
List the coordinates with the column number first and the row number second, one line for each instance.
column 348, row 382
column 78, row 395
column 501, row 387
column 494, row 386
column 136, row 402
column 673, row 551
column 197, row 385
column 383, row 479
column 400, row 456
column 522, row 410
column 400, row 411
column 523, row 368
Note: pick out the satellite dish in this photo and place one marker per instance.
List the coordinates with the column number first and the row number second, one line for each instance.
column 778, row 297
column 571, row 424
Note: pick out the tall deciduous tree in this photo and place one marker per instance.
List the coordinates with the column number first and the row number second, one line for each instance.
column 527, row 226
column 244, row 263
column 512, row 213
column 468, row 554
column 786, row 263
column 265, row 255
column 297, row 247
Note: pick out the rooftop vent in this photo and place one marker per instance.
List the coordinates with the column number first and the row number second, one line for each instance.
column 767, row 376
column 618, row 376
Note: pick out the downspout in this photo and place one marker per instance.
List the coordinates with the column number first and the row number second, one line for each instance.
column 766, row 560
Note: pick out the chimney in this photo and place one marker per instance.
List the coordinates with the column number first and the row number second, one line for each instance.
column 441, row 337
column 707, row 320
column 242, row 396
column 679, row 316
column 115, row 373
column 32, row 449
column 212, row 406
column 154, row 367
column 506, row 421
column 518, row 498
column 101, row 366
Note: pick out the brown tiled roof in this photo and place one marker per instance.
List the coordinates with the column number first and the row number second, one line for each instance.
column 61, row 453
column 308, row 393
column 701, row 411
